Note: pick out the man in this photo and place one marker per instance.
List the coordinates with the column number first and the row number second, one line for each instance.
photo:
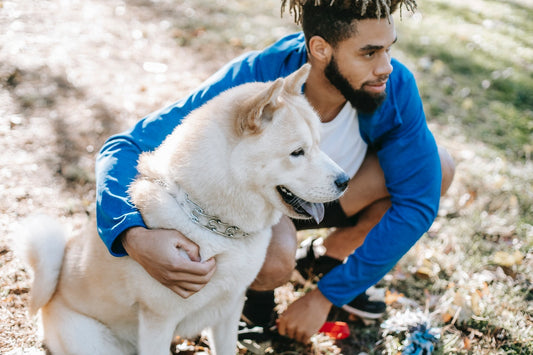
column 373, row 126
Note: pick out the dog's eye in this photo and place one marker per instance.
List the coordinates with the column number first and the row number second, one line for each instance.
column 298, row 152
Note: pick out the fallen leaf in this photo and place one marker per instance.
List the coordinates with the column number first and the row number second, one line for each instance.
column 447, row 317
column 424, row 272
column 458, row 299
column 474, row 300
column 467, row 343
column 503, row 258
column 392, row 297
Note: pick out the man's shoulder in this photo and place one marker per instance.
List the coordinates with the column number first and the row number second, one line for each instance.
column 403, row 87
column 284, row 56
column 289, row 43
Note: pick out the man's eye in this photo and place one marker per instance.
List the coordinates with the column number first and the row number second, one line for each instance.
column 298, row 152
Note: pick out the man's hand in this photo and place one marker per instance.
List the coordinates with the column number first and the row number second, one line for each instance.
column 170, row 258
column 305, row 316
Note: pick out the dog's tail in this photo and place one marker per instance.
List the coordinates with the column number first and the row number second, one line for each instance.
column 40, row 243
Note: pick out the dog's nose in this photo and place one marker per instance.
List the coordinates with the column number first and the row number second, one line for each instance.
column 342, row 181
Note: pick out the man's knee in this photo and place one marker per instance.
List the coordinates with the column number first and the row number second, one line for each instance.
column 448, row 169
column 274, row 273
column 279, row 261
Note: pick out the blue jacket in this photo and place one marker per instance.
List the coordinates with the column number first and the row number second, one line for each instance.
column 397, row 131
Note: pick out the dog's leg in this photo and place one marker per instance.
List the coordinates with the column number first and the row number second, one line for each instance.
column 71, row 333
column 223, row 339
column 155, row 333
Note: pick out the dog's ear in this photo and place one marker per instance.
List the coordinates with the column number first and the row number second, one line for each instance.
column 259, row 108
column 294, row 82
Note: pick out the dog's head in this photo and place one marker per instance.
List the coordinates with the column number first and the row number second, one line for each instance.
column 278, row 149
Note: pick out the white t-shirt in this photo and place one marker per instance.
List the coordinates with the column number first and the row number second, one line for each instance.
column 341, row 140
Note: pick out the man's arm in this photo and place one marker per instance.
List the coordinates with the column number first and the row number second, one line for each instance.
column 116, row 165
column 169, row 256
column 117, row 160
column 409, row 158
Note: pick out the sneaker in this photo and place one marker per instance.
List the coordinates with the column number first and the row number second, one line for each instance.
column 257, row 339
column 252, row 332
column 363, row 307
column 257, row 319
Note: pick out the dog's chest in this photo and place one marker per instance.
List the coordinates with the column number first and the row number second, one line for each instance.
column 237, row 265
column 242, row 255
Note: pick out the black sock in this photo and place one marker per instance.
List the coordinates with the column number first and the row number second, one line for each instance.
column 259, row 307
column 324, row 264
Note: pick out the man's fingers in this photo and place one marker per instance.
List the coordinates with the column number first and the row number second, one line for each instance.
column 283, row 329
column 205, row 267
column 186, row 289
column 188, row 278
column 190, row 248
column 193, row 268
column 189, row 281
column 293, row 328
column 181, row 292
column 303, row 337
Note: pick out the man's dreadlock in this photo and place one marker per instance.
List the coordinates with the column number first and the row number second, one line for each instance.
column 336, row 20
column 360, row 9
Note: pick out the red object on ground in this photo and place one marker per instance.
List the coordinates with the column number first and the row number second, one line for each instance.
column 336, row 330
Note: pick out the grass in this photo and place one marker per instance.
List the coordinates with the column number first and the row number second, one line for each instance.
column 230, row 26
column 470, row 278
column 479, row 53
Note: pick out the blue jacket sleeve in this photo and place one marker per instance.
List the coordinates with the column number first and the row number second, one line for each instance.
column 116, row 164
column 409, row 158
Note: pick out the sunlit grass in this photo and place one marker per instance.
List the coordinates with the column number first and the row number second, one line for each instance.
column 231, row 23
column 475, row 68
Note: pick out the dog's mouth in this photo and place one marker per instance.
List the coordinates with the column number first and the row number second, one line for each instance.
column 303, row 208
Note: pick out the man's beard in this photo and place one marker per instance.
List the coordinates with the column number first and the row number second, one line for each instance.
column 360, row 99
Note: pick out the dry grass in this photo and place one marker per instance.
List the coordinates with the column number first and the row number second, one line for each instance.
column 72, row 73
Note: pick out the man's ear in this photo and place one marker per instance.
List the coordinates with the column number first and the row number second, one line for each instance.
column 254, row 110
column 320, row 49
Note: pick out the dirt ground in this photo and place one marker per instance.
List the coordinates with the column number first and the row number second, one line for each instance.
column 71, row 74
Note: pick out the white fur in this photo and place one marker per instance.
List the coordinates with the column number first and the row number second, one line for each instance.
column 229, row 156
column 40, row 242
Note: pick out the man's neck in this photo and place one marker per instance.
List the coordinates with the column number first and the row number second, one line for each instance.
column 324, row 97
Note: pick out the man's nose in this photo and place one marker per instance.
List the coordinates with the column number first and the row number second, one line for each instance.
column 383, row 66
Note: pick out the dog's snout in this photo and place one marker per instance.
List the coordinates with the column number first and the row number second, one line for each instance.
column 342, row 181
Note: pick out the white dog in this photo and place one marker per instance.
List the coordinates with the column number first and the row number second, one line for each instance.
column 223, row 178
